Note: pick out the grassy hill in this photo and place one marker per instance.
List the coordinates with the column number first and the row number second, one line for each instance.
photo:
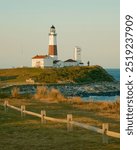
column 56, row 75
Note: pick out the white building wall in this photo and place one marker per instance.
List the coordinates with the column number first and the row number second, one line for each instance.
column 42, row 63
column 80, row 64
column 52, row 39
column 48, row 62
column 67, row 64
column 77, row 54
column 54, row 57
column 38, row 63
column 59, row 64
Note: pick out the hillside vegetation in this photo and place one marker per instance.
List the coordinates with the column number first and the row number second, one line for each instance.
column 56, row 75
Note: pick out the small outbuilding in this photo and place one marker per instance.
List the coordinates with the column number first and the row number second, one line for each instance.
column 70, row 62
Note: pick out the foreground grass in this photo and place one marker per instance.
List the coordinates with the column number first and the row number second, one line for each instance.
column 28, row 133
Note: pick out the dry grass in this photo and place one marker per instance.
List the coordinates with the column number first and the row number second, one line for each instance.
column 54, row 96
column 75, row 100
column 99, row 106
column 49, row 95
column 15, row 92
column 29, row 133
column 41, row 92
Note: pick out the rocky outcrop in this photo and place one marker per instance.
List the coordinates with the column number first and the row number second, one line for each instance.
column 86, row 90
column 82, row 90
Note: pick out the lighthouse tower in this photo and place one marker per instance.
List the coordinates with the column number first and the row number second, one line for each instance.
column 52, row 51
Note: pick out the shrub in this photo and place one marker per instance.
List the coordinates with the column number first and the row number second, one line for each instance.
column 74, row 74
column 49, row 95
column 55, row 94
column 15, row 92
column 41, row 92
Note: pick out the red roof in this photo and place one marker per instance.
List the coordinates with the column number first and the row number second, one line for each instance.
column 70, row 60
column 39, row 56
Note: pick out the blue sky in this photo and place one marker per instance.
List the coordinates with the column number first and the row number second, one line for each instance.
column 91, row 24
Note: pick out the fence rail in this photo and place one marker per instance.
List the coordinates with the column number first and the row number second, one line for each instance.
column 104, row 131
column 88, row 127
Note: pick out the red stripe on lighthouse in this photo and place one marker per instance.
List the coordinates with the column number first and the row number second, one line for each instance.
column 52, row 49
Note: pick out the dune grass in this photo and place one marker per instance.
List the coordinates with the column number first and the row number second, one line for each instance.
column 54, row 95
column 48, row 95
column 15, row 92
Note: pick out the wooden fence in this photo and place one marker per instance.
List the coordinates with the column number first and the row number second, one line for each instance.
column 69, row 121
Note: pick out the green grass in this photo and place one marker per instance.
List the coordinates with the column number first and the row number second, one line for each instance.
column 56, row 75
column 18, row 74
column 18, row 133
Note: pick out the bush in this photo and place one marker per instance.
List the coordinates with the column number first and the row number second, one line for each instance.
column 41, row 92
column 74, row 74
column 55, row 94
column 15, row 92
column 48, row 95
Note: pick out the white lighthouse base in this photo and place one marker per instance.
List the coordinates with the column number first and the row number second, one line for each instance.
column 54, row 57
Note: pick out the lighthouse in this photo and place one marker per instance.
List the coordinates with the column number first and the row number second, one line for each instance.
column 52, row 51
column 51, row 59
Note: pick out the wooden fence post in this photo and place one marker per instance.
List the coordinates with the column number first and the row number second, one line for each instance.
column 5, row 105
column 105, row 129
column 43, row 113
column 69, row 124
column 22, row 110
